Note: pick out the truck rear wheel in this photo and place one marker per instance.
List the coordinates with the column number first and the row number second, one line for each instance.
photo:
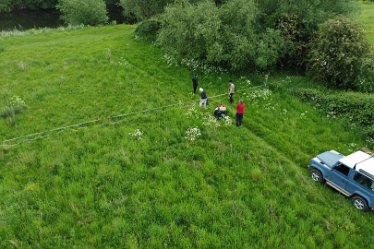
column 360, row 203
column 317, row 176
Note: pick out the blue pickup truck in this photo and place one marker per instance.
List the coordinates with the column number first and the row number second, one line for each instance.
column 352, row 175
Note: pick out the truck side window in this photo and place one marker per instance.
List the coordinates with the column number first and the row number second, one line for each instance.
column 342, row 169
column 363, row 180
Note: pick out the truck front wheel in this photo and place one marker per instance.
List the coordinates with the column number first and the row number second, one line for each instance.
column 317, row 176
column 360, row 203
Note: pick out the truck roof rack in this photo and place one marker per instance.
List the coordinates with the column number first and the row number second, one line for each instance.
column 367, row 151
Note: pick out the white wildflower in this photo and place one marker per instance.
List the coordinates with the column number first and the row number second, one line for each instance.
column 193, row 133
column 262, row 94
column 303, row 115
column 211, row 121
column 191, row 111
column 138, row 134
column 17, row 103
column 227, row 121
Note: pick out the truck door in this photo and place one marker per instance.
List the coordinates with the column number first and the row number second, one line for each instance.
column 338, row 178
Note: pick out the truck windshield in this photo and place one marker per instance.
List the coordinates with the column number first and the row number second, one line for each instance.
column 342, row 169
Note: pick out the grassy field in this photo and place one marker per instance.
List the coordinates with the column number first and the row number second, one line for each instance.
column 366, row 18
column 101, row 186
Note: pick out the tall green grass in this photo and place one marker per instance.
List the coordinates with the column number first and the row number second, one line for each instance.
column 102, row 187
column 366, row 18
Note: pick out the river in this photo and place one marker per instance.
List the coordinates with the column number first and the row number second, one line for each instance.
column 28, row 19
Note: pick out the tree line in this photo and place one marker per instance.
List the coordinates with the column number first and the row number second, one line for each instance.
column 309, row 36
column 316, row 37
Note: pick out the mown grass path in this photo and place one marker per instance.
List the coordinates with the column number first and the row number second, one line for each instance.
column 99, row 187
column 366, row 19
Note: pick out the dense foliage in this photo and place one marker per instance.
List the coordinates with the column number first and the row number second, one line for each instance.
column 5, row 5
column 366, row 77
column 224, row 36
column 90, row 12
column 246, row 34
column 8, row 5
column 144, row 9
column 337, row 53
column 296, row 42
column 311, row 12
column 148, row 30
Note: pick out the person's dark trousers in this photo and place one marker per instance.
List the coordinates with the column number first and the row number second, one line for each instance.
column 239, row 119
column 231, row 100
column 194, row 88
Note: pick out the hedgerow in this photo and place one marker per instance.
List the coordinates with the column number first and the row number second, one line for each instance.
column 355, row 108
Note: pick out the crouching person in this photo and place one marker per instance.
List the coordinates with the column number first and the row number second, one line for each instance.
column 220, row 111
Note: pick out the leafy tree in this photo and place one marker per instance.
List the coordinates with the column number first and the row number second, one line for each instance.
column 312, row 12
column 297, row 20
column 5, row 5
column 144, row 9
column 337, row 52
column 8, row 5
column 148, row 30
column 296, row 42
column 90, row 12
column 191, row 31
column 269, row 48
column 222, row 36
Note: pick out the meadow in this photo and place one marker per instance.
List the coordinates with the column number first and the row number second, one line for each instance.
column 141, row 181
column 366, row 18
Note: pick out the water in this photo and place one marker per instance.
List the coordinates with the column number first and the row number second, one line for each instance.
column 28, row 19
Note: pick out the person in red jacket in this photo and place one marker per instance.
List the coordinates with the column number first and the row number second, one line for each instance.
column 239, row 113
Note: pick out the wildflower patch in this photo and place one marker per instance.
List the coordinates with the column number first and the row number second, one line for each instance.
column 192, row 134
column 137, row 134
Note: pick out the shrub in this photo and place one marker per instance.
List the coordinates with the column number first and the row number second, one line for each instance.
column 366, row 78
column 238, row 41
column 9, row 5
column 5, row 5
column 269, row 49
column 148, row 30
column 143, row 9
column 337, row 53
column 296, row 40
column 297, row 20
column 223, row 36
column 88, row 12
column 191, row 31
column 310, row 11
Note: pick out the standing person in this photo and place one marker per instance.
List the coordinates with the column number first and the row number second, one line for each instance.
column 203, row 98
column 195, row 82
column 231, row 91
column 239, row 113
